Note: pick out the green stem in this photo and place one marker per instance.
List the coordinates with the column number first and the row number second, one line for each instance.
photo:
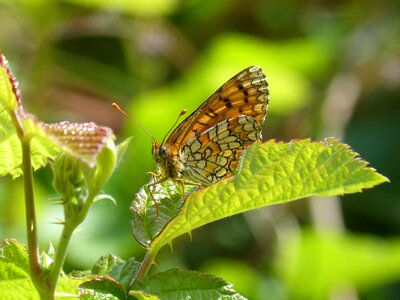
column 63, row 242
column 148, row 260
column 69, row 227
column 35, row 269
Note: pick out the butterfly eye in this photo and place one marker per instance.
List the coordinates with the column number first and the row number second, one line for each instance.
column 162, row 152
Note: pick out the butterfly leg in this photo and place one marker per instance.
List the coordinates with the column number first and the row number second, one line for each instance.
column 154, row 174
column 183, row 183
column 178, row 180
column 151, row 193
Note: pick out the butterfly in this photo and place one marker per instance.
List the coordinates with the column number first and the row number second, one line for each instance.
column 206, row 146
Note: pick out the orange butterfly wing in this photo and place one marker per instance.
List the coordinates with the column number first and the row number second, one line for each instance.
column 205, row 147
column 244, row 94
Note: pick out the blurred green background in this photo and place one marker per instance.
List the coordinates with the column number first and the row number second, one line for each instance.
column 333, row 69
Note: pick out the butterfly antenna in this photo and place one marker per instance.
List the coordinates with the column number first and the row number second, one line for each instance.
column 117, row 107
column 183, row 111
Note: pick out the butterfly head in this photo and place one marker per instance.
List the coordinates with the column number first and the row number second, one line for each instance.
column 160, row 152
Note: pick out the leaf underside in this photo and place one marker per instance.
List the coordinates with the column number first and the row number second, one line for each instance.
column 81, row 140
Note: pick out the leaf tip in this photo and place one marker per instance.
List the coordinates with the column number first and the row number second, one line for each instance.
column 13, row 81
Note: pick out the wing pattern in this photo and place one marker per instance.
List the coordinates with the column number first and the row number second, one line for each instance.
column 214, row 154
column 244, row 94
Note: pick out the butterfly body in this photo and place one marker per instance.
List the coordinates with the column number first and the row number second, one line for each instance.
column 206, row 146
column 169, row 162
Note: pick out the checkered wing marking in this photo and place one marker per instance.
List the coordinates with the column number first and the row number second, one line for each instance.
column 244, row 94
column 214, row 154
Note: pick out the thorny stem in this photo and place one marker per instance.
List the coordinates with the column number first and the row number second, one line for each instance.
column 36, row 272
column 145, row 266
column 65, row 237
column 35, row 269
column 68, row 229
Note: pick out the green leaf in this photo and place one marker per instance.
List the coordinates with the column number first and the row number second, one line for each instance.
column 14, row 120
column 326, row 262
column 117, row 268
column 105, row 164
column 114, row 277
column 125, row 271
column 105, row 263
column 23, row 288
column 9, row 94
column 181, row 284
column 100, row 197
column 15, row 282
column 104, row 287
column 272, row 173
column 10, row 148
column 82, row 140
column 13, row 260
column 147, row 222
column 19, row 288
column 68, row 286
column 140, row 295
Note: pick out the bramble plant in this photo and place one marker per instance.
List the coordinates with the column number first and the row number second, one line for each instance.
column 83, row 157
